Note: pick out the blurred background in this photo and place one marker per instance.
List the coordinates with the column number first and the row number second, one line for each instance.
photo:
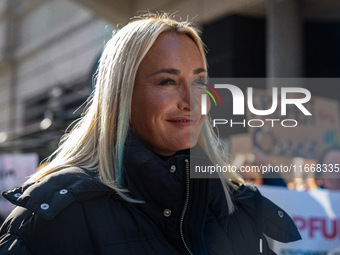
column 49, row 52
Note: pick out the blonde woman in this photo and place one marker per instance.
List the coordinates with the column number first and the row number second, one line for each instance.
column 120, row 182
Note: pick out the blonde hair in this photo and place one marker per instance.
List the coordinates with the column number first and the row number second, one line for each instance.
column 97, row 140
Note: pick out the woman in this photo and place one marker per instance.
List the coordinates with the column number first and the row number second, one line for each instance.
column 119, row 183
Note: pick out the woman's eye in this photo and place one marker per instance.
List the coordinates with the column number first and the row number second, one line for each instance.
column 167, row 82
column 200, row 81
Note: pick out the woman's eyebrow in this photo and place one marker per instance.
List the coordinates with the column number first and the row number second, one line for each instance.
column 176, row 71
column 199, row 70
column 169, row 70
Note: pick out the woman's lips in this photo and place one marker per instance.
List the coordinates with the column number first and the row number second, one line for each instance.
column 183, row 121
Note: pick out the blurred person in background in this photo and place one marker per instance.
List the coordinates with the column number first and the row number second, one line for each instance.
column 247, row 166
column 120, row 182
column 330, row 161
column 251, row 173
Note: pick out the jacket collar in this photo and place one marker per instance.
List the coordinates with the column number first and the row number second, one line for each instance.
column 156, row 180
column 171, row 198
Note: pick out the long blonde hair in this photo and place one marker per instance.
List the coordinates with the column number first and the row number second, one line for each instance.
column 97, row 140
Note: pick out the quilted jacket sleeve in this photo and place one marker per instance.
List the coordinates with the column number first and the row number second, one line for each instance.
column 12, row 244
column 25, row 233
column 11, row 241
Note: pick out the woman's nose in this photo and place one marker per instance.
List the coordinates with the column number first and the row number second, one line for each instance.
column 188, row 100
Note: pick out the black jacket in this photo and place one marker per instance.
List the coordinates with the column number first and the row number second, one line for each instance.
column 71, row 212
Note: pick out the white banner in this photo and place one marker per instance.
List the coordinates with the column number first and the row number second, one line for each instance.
column 317, row 215
column 14, row 170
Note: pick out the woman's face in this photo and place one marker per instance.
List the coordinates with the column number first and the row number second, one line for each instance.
column 166, row 111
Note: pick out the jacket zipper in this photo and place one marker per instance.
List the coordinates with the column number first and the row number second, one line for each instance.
column 185, row 205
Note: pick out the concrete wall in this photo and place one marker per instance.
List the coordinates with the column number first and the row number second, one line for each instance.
column 52, row 42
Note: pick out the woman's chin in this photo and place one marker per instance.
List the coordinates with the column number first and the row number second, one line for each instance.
column 188, row 144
